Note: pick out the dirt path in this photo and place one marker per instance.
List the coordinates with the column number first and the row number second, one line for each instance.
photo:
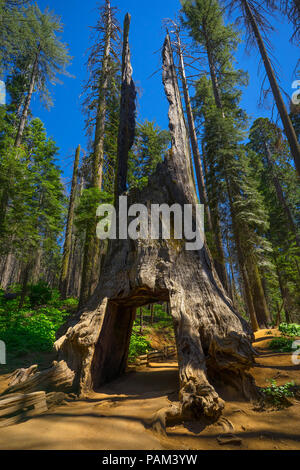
column 114, row 418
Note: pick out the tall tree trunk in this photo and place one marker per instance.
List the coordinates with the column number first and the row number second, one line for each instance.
column 218, row 255
column 193, row 136
column 152, row 313
column 36, row 271
column 63, row 283
column 141, row 320
column 233, row 283
column 127, row 116
column 24, row 115
column 7, row 270
column 259, row 299
column 25, row 279
column 92, row 244
column 245, row 278
column 283, row 292
column 213, row 74
column 286, row 121
column 98, row 153
column 220, row 262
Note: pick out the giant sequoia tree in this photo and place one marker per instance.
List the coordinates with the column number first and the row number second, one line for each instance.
column 213, row 341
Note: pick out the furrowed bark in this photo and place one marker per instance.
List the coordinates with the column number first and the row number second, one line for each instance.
column 101, row 108
column 68, row 237
column 127, row 115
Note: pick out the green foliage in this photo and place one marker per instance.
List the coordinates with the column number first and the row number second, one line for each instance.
column 85, row 212
column 39, row 294
column 291, row 329
column 281, row 344
column 149, row 149
column 138, row 344
column 36, row 36
column 35, row 333
column 272, row 163
column 33, row 193
column 29, row 329
column 277, row 394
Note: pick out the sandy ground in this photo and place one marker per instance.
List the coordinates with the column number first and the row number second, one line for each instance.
column 114, row 418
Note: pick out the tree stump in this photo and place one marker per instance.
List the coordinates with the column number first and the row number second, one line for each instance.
column 213, row 340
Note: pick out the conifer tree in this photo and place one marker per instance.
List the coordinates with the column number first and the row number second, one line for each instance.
column 45, row 55
column 224, row 122
column 258, row 29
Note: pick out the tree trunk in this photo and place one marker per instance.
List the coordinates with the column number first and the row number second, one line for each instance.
column 92, row 245
column 246, row 283
column 284, row 293
column 193, row 137
column 218, row 255
column 101, row 109
column 127, row 115
column 7, row 270
column 213, row 340
column 25, row 279
column 63, row 284
column 141, row 321
column 233, row 283
column 220, row 265
column 24, row 115
column 259, row 299
column 286, row 121
column 152, row 313
column 213, row 74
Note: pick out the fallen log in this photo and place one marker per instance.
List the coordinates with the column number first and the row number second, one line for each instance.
column 17, row 407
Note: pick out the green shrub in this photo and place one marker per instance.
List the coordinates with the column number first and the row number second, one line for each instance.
column 281, row 344
column 278, row 394
column 291, row 329
column 138, row 345
column 36, row 333
column 30, row 330
column 39, row 294
column 71, row 302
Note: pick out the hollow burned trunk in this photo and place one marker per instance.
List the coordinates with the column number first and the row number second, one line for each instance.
column 213, row 341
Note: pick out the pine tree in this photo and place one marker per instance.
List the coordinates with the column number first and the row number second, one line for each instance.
column 35, row 216
column 223, row 123
column 45, row 55
column 273, row 166
column 258, row 28
column 149, row 148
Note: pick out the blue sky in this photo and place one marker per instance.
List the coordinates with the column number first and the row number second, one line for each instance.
column 65, row 121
